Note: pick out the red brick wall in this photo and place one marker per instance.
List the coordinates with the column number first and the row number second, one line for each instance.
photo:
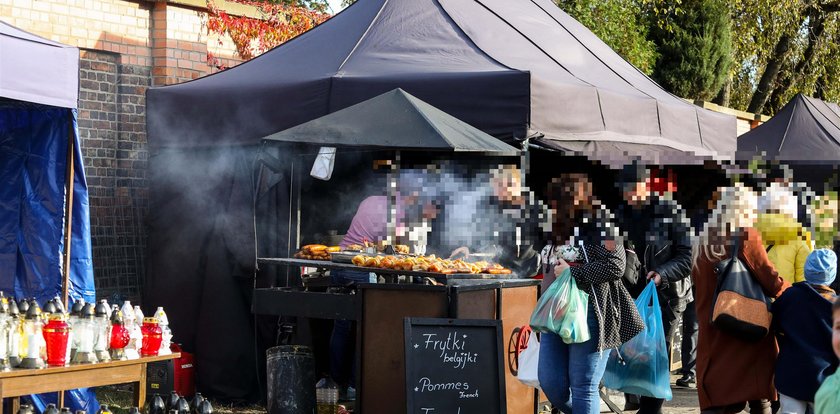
column 126, row 46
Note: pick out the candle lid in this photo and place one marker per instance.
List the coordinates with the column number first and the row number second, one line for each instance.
column 102, row 308
column 50, row 307
column 150, row 319
column 57, row 317
column 34, row 311
column 77, row 307
column 87, row 311
column 117, row 317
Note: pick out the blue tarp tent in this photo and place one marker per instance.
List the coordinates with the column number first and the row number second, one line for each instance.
column 39, row 149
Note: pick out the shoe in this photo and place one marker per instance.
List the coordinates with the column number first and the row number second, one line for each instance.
column 687, row 380
column 631, row 402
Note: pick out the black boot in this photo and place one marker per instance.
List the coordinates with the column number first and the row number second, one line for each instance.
column 687, row 380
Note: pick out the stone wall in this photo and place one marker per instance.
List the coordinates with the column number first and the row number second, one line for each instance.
column 126, row 46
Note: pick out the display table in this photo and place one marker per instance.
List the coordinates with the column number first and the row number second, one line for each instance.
column 380, row 310
column 18, row 382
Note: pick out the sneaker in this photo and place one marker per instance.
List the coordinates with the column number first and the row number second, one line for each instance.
column 687, row 380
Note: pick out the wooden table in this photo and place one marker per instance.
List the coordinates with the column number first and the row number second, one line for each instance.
column 18, row 382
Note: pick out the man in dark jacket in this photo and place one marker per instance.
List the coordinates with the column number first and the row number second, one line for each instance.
column 657, row 230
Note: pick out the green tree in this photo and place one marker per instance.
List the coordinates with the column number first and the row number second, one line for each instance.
column 695, row 49
column 783, row 47
column 621, row 24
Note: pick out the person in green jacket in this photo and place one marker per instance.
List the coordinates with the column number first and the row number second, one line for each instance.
column 827, row 400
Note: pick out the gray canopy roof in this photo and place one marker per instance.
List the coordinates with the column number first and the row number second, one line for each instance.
column 507, row 67
column 806, row 129
column 394, row 120
column 34, row 69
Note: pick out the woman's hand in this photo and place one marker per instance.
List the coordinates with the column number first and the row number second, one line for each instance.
column 561, row 266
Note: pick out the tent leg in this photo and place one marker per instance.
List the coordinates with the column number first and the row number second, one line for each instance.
column 68, row 215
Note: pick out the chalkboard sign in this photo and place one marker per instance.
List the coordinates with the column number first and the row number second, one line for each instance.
column 454, row 366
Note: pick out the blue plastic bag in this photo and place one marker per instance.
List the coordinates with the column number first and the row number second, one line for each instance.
column 641, row 365
column 562, row 310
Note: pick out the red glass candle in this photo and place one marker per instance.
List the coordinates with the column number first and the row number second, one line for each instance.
column 119, row 337
column 56, row 334
column 152, row 335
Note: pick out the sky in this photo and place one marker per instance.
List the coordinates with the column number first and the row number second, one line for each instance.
column 335, row 5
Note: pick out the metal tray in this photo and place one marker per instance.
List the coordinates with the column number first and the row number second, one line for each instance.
column 343, row 257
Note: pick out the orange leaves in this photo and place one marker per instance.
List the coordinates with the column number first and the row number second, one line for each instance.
column 252, row 37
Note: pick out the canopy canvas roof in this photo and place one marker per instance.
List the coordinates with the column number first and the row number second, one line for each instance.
column 806, row 129
column 511, row 68
column 394, row 120
column 34, row 69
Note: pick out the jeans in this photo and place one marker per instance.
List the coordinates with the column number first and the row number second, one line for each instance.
column 790, row 405
column 571, row 373
column 342, row 355
column 670, row 317
column 688, row 349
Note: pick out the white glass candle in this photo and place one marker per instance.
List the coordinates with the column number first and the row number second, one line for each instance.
column 33, row 350
column 86, row 337
column 14, row 339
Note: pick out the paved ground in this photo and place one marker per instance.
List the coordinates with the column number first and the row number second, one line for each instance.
column 119, row 398
column 684, row 401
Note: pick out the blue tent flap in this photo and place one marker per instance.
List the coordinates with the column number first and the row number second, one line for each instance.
column 33, row 172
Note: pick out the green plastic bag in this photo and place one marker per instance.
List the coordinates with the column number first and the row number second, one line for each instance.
column 562, row 310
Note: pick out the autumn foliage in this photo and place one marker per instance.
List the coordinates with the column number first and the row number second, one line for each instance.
column 254, row 36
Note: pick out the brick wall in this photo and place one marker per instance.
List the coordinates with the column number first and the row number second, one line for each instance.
column 126, row 46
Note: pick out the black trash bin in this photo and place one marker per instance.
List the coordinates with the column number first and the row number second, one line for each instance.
column 291, row 379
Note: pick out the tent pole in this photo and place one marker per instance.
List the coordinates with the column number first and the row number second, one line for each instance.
column 393, row 179
column 68, row 215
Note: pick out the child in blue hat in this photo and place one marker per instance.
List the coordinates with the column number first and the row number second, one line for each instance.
column 802, row 321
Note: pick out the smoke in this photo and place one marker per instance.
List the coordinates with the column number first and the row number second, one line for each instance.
column 468, row 206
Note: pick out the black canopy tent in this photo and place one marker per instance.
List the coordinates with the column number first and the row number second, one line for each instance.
column 806, row 129
column 506, row 67
column 513, row 69
column 804, row 134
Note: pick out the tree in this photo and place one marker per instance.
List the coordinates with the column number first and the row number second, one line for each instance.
column 279, row 22
column 783, row 47
column 695, row 49
column 621, row 24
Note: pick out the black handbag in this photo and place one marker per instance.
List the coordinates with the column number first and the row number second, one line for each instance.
column 740, row 307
